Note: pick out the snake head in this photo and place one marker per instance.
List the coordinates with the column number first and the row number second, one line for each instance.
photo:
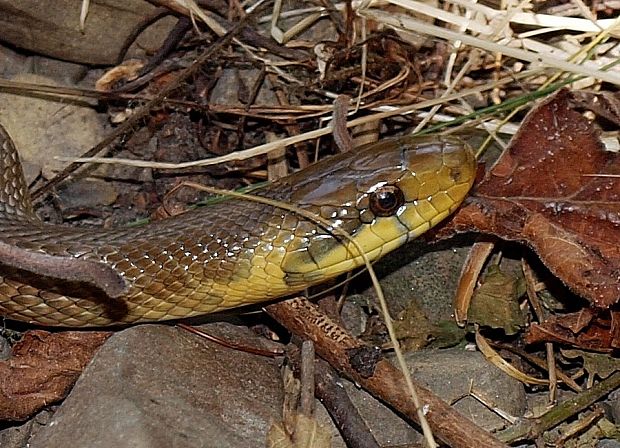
column 383, row 195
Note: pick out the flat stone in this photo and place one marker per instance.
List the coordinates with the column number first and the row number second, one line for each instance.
column 160, row 386
column 87, row 193
column 65, row 73
column 43, row 128
column 613, row 401
column 388, row 428
column 451, row 372
column 13, row 63
column 53, row 29
column 19, row 436
column 229, row 85
column 447, row 373
column 427, row 274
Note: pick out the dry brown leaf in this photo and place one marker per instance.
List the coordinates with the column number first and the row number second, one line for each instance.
column 551, row 189
column 42, row 369
column 586, row 329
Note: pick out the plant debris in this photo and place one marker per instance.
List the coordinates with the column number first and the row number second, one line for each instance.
column 554, row 189
column 240, row 93
column 43, row 368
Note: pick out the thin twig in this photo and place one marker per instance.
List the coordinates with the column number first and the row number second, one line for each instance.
column 530, row 282
column 339, row 123
column 306, row 377
column 229, row 344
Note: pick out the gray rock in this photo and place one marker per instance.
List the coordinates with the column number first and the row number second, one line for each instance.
column 449, row 373
column 5, row 349
column 608, row 443
column 159, row 386
column 53, row 28
column 42, row 128
column 227, row 90
column 66, row 73
column 19, row 436
column 613, row 401
column 425, row 273
column 87, row 193
column 13, row 63
column 388, row 428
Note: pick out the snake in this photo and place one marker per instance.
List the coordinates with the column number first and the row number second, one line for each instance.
column 237, row 251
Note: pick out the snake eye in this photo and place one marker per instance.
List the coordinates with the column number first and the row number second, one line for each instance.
column 386, row 200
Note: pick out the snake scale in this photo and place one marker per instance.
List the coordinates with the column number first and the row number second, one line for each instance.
column 234, row 252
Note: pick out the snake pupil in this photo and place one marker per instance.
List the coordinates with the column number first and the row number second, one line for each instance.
column 385, row 201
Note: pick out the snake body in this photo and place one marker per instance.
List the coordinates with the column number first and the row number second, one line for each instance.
column 235, row 252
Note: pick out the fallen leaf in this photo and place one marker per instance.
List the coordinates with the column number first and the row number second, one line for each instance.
column 42, row 369
column 415, row 331
column 495, row 303
column 552, row 189
column 588, row 329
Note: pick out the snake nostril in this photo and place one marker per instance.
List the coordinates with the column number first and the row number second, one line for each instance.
column 456, row 174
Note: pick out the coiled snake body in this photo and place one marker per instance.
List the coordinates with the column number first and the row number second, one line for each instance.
column 235, row 252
